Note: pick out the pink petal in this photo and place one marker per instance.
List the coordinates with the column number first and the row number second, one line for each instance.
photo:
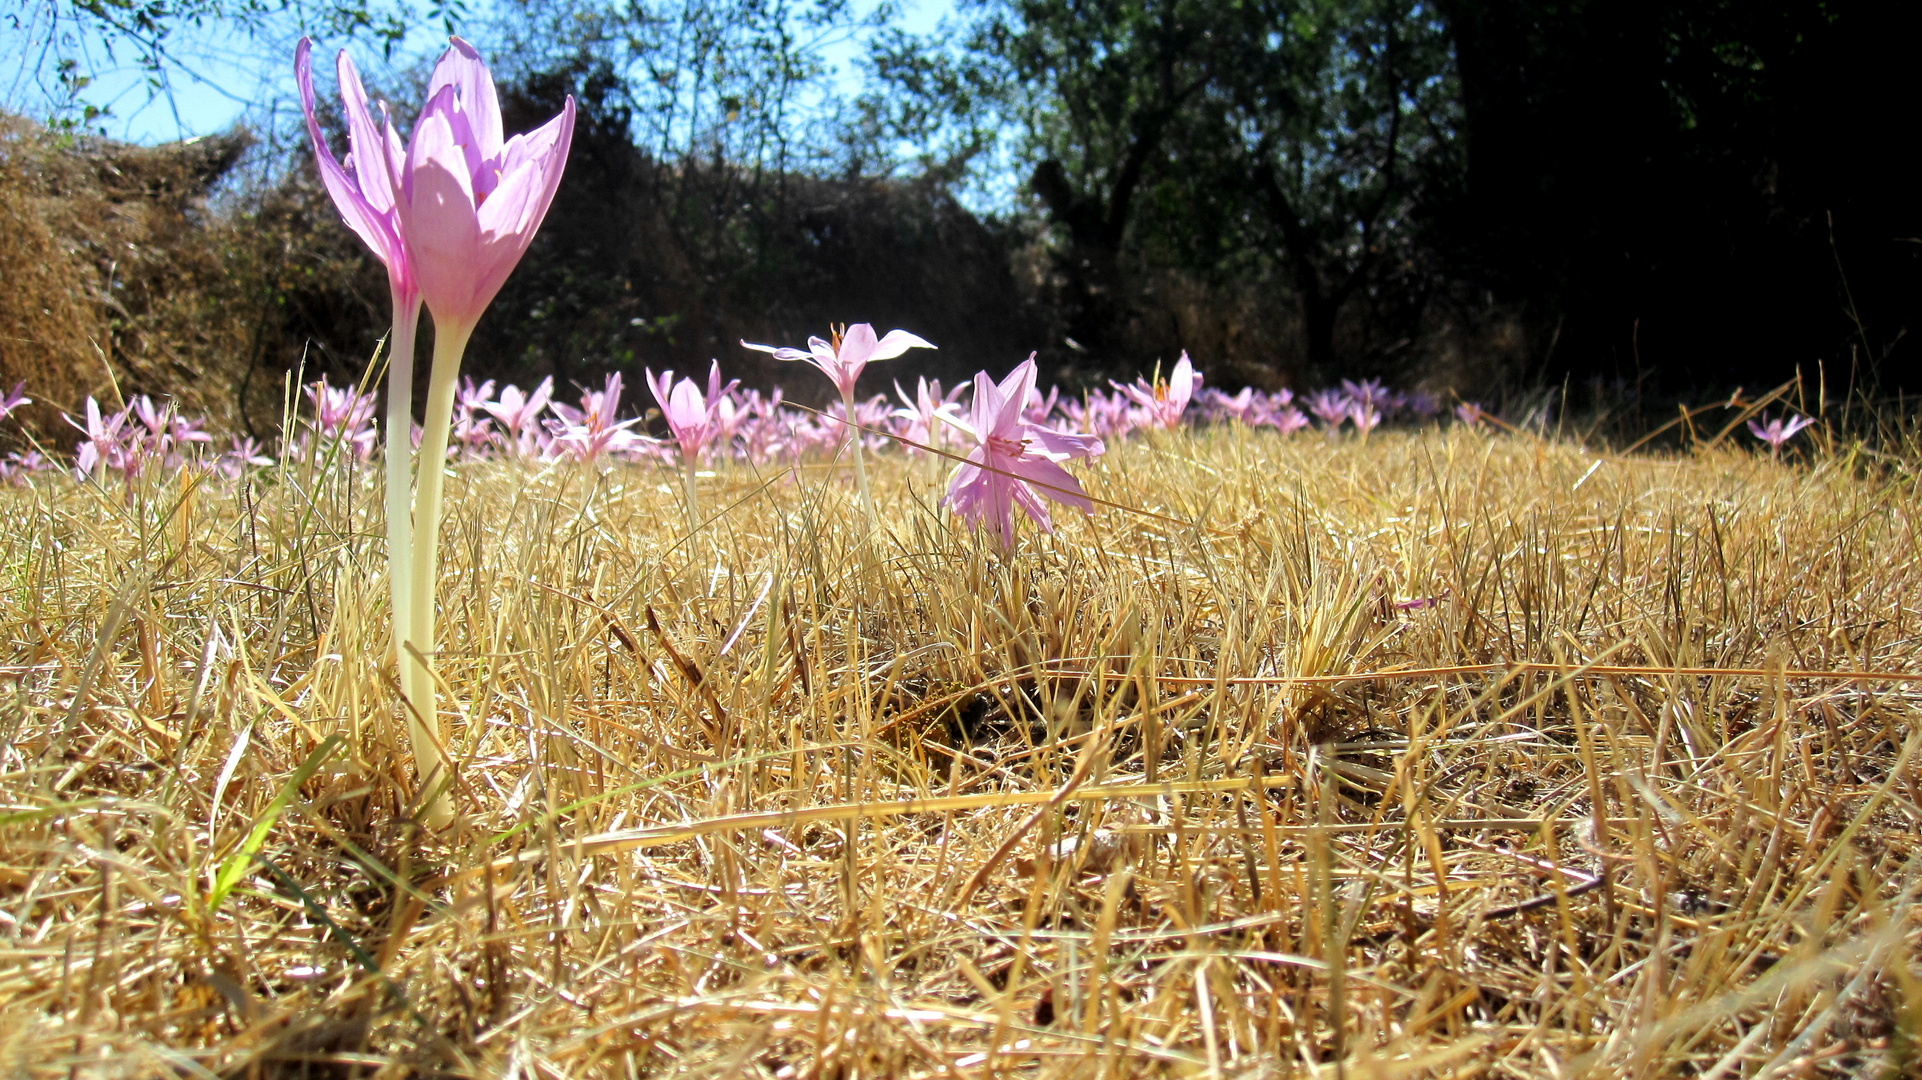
column 461, row 68
column 896, row 343
column 367, row 222
column 363, row 139
column 857, row 345
column 442, row 228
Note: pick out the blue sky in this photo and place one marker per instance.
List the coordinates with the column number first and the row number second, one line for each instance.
column 226, row 76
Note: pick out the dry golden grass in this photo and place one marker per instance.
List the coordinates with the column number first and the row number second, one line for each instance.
column 1216, row 792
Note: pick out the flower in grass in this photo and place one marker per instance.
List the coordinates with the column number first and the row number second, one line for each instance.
column 1286, row 420
column 1777, row 431
column 1371, row 392
column 1106, row 415
column 17, row 466
column 1363, row 414
column 244, row 454
column 473, row 430
column 519, row 413
column 692, row 417
column 1162, row 403
column 1013, row 462
column 1221, row 405
column 343, row 414
column 469, row 200
column 1472, row 414
column 591, row 430
column 1038, row 409
column 13, row 400
column 920, row 412
column 1330, row 407
column 843, row 358
column 102, row 444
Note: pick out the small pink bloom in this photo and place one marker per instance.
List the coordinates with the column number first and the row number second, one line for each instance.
column 1778, row 431
column 14, row 400
column 1162, row 404
column 591, row 430
column 843, row 359
column 520, row 414
column 692, row 417
column 922, row 410
column 1014, row 462
column 1330, row 407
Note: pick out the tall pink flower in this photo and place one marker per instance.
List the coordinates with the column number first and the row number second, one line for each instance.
column 842, row 361
column 450, row 216
column 363, row 187
column 1014, row 462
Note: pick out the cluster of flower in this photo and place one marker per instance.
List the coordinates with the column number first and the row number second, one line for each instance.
column 725, row 422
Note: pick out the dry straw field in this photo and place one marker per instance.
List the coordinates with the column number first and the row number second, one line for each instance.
column 1435, row 754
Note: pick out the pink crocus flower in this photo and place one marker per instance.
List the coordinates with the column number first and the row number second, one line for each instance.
column 1363, row 414
column 1472, row 414
column 1013, row 462
column 592, row 430
column 694, row 420
column 102, row 446
column 922, row 410
column 842, row 361
column 1777, row 431
column 14, row 399
column 1330, row 407
column 470, row 201
column 1162, row 403
column 1287, row 420
column 520, row 412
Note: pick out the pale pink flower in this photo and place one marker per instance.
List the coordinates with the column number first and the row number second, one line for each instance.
column 1472, row 414
column 469, row 201
column 1013, row 462
column 843, row 359
column 13, row 400
column 692, row 417
column 1777, row 431
column 104, row 445
column 1330, row 407
column 592, row 430
column 1162, row 403
column 922, row 410
column 1286, row 420
column 520, row 412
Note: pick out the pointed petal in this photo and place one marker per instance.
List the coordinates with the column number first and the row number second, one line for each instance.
column 461, row 68
column 442, row 229
column 896, row 343
column 366, row 222
column 365, row 152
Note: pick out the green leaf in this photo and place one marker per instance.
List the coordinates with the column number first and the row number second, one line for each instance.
column 235, row 866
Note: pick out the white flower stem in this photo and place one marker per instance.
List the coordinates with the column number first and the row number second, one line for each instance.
column 450, row 343
column 693, row 505
column 860, row 467
column 418, row 693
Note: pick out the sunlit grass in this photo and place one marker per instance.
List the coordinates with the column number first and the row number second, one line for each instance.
column 787, row 799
